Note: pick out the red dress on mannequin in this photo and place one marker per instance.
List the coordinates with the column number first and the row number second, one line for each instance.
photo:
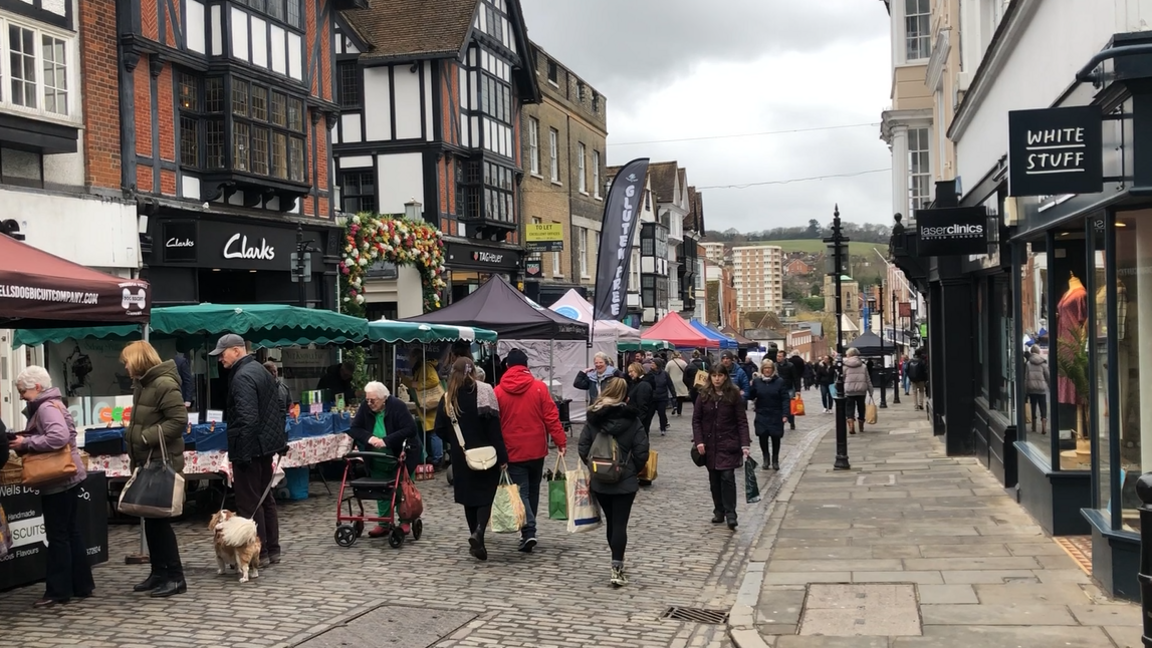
column 1071, row 313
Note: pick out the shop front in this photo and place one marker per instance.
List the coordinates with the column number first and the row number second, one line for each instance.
column 1082, row 273
column 234, row 260
column 470, row 265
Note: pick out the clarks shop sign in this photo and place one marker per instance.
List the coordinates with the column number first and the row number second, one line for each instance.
column 1055, row 151
column 232, row 246
column 954, row 231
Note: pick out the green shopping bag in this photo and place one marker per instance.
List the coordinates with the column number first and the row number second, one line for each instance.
column 558, row 491
column 751, row 487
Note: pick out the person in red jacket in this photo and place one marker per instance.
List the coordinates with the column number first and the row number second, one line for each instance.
column 527, row 416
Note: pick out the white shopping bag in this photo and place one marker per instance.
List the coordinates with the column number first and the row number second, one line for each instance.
column 583, row 512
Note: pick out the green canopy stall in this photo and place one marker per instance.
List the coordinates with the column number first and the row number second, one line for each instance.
column 264, row 325
column 643, row 345
column 392, row 331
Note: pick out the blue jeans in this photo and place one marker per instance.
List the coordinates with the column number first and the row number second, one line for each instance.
column 527, row 476
column 907, row 384
column 435, row 448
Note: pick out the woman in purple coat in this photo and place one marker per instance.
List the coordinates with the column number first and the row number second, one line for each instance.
column 720, row 432
column 50, row 428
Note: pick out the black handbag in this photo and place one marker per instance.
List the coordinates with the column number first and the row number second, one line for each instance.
column 697, row 458
column 154, row 491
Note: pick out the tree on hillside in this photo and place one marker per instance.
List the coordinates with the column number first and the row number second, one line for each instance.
column 814, row 230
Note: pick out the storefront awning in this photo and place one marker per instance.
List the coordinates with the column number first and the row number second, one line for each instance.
column 264, row 325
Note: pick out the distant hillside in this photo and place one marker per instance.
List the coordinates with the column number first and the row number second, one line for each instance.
column 816, row 246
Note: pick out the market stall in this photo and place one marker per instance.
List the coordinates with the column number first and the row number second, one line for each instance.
column 42, row 290
column 722, row 340
column 741, row 341
column 675, row 330
column 555, row 345
column 607, row 336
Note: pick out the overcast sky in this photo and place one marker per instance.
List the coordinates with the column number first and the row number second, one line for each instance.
column 675, row 69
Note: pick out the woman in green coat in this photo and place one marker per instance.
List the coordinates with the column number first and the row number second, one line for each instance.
column 156, row 429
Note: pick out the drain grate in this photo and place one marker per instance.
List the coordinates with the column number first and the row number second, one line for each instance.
column 696, row 615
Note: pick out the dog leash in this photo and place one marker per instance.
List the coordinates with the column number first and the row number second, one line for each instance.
column 267, row 489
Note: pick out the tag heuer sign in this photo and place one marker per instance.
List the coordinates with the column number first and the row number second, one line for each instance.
column 533, row 269
column 957, row 231
column 487, row 257
column 1055, row 151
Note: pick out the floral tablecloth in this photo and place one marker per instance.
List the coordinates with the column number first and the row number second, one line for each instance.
column 301, row 452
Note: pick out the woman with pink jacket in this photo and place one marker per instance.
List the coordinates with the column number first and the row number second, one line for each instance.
column 50, row 427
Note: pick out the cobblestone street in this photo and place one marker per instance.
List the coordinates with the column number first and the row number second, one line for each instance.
column 436, row 594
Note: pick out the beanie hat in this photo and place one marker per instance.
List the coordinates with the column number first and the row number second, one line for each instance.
column 516, row 357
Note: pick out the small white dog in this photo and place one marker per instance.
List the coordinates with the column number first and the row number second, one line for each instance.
column 236, row 543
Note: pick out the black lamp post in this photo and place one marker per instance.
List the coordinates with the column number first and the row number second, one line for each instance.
column 895, row 371
column 837, row 247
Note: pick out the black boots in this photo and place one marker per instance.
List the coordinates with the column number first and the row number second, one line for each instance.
column 170, row 588
column 476, row 547
column 148, row 584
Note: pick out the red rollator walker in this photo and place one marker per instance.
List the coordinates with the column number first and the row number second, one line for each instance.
column 404, row 514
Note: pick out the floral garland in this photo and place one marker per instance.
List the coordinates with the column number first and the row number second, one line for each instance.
column 370, row 238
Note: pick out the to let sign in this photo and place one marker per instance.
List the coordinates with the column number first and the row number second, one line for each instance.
column 1055, row 151
column 544, row 237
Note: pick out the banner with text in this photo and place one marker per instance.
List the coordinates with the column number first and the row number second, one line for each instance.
column 952, row 231
column 621, row 215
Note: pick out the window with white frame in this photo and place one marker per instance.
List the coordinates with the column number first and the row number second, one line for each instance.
column 38, row 66
column 919, row 168
column 534, row 145
column 596, row 173
column 557, row 271
column 917, row 29
column 554, row 153
column 582, row 250
column 582, row 179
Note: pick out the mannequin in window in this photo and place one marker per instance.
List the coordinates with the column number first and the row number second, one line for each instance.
column 1071, row 313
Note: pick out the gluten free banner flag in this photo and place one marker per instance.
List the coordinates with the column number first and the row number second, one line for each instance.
column 621, row 215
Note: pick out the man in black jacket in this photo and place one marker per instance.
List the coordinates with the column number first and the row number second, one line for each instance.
column 255, row 416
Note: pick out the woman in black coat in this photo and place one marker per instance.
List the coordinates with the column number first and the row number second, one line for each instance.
column 478, row 417
column 611, row 415
column 770, row 394
column 720, row 433
column 640, row 392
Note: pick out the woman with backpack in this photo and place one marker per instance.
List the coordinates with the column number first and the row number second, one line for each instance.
column 468, row 418
column 615, row 446
column 720, row 434
column 770, row 394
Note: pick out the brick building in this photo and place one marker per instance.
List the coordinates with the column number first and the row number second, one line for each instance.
column 223, row 113
column 431, row 96
column 797, row 267
column 563, row 148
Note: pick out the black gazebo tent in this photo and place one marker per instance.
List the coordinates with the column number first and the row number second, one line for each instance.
column 869, row 345
column 498, row 306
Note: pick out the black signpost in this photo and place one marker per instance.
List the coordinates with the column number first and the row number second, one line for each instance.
column 1055, row 151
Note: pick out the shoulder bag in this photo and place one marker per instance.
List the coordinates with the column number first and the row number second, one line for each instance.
column 46, row 467
column 478, row 459
column 154, row 490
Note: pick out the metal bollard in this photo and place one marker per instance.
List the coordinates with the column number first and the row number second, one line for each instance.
column 1144, row 491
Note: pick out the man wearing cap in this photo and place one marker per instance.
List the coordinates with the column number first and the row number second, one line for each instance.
column 739, row 378
column 255, row 417
column 527, row 416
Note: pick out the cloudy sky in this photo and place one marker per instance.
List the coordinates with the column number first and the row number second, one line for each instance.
column 684, row 69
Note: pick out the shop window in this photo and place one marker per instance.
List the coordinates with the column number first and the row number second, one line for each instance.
column 1131, row 310
column 1070, row 350
column 1004, row 396
column 1099, row 304
column 1036, row 367
column 350, row 89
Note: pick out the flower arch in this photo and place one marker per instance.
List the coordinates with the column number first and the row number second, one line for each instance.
column 369, row 238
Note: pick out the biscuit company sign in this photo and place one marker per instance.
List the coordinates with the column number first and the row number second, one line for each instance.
column 956, row 231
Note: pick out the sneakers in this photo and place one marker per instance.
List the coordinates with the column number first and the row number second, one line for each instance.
column 619, row 579
column 527, row 544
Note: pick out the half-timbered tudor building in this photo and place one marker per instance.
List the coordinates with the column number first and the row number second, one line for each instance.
column 224, row 110
column 430, row 94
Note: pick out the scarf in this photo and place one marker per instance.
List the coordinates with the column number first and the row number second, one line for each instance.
column 486, row 402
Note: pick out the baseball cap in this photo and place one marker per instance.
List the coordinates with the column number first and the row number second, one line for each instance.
column 227, row 341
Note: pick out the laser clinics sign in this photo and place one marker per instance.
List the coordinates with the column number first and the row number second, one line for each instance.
column 1055, row 151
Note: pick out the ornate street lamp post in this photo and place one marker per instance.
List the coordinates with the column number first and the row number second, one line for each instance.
column 837, row 247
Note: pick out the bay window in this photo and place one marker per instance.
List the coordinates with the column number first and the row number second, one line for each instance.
column 232, row 123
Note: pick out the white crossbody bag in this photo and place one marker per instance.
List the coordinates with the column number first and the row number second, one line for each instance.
column 478, row 459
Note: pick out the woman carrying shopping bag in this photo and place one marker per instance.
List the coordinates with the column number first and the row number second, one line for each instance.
column 857, row 387
column 468, row 418
column 770, row 394
column 611, row 415
column 720, row 433
column 159, row 419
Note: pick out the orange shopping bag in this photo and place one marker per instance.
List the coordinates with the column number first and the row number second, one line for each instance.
column 798, row 406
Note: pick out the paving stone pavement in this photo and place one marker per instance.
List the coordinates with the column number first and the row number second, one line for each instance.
column 985, row 575
column 557, row 596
